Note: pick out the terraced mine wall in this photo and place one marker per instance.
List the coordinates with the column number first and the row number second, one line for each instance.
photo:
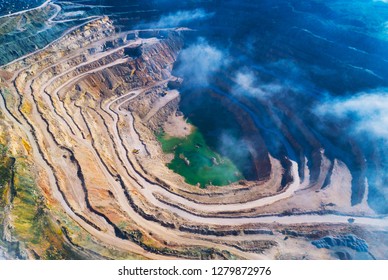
column 83, row 113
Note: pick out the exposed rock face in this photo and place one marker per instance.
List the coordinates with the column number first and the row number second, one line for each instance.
column 27, row 32
column 85, row 110
column 154, row 65
column 350, row 241
column 175, row 83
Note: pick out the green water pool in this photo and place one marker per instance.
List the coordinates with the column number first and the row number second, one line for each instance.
column 196, row 162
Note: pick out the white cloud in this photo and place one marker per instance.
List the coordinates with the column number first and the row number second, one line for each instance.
column 199, row 61
column 367, row 111
column 249, row 84
column 182, row 17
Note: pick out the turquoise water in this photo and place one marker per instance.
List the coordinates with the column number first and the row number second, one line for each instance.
column 197, row 163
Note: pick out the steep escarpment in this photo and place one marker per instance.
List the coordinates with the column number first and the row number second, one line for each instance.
column 29, row 31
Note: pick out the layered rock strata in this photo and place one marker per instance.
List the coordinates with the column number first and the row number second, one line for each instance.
column 87, row 108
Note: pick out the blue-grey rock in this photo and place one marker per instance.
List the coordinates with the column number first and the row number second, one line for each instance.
column 350, row 241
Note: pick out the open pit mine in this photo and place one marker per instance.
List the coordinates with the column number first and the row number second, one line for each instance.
column 86, row 113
